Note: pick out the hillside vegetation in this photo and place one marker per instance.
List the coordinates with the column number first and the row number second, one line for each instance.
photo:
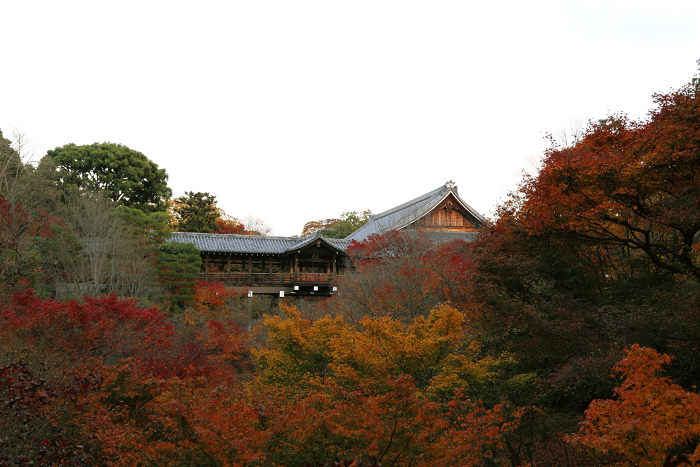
column 566, row 334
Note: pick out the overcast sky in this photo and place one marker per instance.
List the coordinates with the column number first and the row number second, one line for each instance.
column 300, row 110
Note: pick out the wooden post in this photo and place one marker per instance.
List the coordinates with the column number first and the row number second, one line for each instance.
column 228, row 268
column 250, row 268
column 206, row 267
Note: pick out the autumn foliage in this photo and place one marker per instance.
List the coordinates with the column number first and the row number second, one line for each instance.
column 22, row 235
column 497, row 352
column 651, row 419
column 389, row 392
column 631, row 185
column 403, row 275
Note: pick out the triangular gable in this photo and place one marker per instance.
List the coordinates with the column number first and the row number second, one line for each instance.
column 317, row 238
column 450, row 213
column 411, row 212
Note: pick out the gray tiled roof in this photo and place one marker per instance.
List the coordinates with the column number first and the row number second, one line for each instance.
column 230, row 243
column 339, row 243
column 404, row 214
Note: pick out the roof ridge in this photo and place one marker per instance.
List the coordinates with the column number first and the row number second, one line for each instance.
column 405, row 214
column 212, row 234
column 423, row 197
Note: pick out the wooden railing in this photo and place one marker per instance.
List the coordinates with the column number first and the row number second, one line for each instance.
column 266, row 277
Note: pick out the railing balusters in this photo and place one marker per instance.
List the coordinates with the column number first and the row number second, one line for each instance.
column 268, row 278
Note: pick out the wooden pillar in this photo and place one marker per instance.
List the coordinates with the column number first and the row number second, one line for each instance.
column 206, row 267
column 228, row 268
column 270, row 268
column 296, row 265
column 334, row 266
column 250, row 268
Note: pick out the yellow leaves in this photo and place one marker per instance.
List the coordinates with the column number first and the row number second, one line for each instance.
column 381, row 346
column 436, row 351
column 398, row 392
column 297, row 347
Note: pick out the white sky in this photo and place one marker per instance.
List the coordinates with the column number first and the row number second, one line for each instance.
column 300, row 110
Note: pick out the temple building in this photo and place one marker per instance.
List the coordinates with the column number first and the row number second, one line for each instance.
column 309, row 266
column 441, row 213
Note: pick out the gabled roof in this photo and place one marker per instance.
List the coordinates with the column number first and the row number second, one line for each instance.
column 403, row 215
column 253, row 244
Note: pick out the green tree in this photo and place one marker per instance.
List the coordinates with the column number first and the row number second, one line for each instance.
column 178, row 265
column 338, row 228
column 128, row 177
column 196, row 212
column 150, row 229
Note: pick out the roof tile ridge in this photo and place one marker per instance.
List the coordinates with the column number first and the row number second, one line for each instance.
column 215, row 234
column 423, row 209
column 417, row 200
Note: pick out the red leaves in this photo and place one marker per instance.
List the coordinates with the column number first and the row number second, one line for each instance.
column 31, row 411
column 386, row 420
column 404, row 275
column 628, row 184
column 104, row 328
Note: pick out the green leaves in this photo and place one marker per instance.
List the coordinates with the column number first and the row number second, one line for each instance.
column 196, row 212
column 348, row 223
column 129, row 177
column 178, row 265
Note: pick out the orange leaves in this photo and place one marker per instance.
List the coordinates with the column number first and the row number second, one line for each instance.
column 334, row 391
column 650, row 418
column 229, row 226
column 384, row 419
column 384, row 346
column 211, row 295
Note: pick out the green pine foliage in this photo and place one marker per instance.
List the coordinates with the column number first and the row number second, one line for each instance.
column 128, row 176
column 178, row 265
column 196, row 212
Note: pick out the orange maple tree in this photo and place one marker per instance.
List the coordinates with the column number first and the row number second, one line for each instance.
column 651, row 418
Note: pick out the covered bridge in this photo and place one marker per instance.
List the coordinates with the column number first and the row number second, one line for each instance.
column 309, row 266
column 293, row 265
